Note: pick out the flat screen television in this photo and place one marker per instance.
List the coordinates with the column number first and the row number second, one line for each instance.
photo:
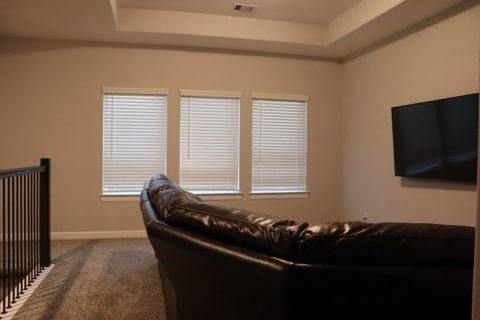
column 437, row 139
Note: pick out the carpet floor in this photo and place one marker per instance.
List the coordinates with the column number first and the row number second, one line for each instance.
column 99, row 279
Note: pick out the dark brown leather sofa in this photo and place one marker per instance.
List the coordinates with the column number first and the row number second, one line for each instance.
column 220, row 263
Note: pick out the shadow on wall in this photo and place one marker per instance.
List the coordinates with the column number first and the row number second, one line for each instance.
column 436, row 184
column 31, row 45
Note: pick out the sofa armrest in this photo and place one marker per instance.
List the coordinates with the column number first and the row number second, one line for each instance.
column 213, row 278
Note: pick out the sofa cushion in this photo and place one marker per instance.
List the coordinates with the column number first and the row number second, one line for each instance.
column 254, row 230
column 387, row 243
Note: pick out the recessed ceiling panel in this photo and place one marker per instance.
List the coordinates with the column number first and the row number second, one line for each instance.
column 305, row 11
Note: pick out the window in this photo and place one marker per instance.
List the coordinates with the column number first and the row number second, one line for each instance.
column 209, row 142
column 279, row 145
column 134, row 139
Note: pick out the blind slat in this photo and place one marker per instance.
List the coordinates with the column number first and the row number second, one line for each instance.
column 209, row 144
column 279, row 146
column 134, row 140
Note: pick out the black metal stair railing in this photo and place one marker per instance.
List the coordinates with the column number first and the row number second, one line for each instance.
column 25, row 229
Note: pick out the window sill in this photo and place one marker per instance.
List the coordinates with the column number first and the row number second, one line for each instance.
column 119, row 198
column 206, row 197
column 219, row 196
column 280, row 195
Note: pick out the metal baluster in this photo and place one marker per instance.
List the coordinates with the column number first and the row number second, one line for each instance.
column 37, row 221
column 24, row 232
column 33, row 225
column 18, row 244
column 4, row 264
column 30, row 237
column 12, row 240
column 39, row 186
column 9, row 207
column 27, row 224
column 17, row 235
column 14, row 210
column 37, row 242
column 19, row 238
column 27, row 178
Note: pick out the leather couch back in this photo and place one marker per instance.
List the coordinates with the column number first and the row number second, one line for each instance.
column 336, row 242
column 256, row 231
column 387, row 243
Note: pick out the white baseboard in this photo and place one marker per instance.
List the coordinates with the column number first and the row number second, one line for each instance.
column 99, row 234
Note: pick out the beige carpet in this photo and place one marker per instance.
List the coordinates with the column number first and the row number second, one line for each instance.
column 99, row 279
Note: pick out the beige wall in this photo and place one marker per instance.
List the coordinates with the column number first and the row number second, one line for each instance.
column 51, row 106
column 439, row 61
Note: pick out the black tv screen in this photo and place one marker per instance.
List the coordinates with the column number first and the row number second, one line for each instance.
column 437, row 139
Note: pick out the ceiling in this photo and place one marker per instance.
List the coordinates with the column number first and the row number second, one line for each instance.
column 304, row 11
column 321, row 28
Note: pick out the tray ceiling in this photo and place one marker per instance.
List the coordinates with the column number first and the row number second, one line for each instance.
column 321, row 28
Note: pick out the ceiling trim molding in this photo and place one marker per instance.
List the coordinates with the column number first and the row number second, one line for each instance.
column 130, row 45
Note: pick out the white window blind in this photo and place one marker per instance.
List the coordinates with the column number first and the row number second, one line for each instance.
column 134, row 140
column 279, row 146
column 209, row 144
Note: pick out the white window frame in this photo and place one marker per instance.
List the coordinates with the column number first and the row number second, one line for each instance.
column 218, row 195
column 107, row 197
column 282, row 194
